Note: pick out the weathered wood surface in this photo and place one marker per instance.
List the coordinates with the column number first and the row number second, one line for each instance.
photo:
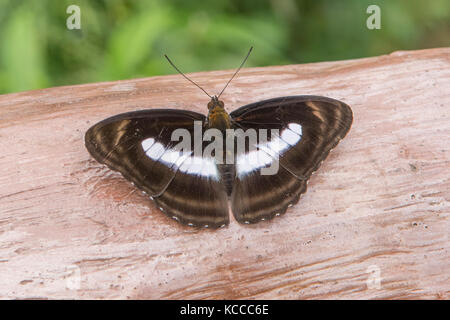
column 70, row 228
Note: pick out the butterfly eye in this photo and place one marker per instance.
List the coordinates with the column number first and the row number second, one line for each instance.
column 220, row 103
column 210, row 105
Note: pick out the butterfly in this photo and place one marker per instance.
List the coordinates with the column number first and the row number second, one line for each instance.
column 193, row 186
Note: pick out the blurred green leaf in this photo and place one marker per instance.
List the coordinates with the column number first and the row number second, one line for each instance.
column 130, row 43
column 23, row 56
column 122, row 39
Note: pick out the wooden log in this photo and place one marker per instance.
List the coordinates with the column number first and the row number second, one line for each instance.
column 377, row 209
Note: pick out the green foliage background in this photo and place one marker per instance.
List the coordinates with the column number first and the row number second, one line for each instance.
column 122, row 39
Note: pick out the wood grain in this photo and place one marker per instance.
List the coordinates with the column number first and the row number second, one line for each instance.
column 380, row 203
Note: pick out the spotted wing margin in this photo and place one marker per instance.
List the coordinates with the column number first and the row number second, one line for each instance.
column 139, row 145
column 309, row 127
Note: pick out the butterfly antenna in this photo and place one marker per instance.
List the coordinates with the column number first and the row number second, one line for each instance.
column 186, row 76
column 245, row 59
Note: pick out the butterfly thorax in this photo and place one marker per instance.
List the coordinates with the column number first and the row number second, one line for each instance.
column 218, row 118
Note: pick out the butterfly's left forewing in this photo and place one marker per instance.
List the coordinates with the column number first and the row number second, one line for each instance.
column 307, row 128
column 140, row 145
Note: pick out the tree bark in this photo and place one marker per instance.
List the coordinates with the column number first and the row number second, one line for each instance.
column 377, row 209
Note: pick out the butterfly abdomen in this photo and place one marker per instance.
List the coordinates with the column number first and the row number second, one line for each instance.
column 219, row 119
column 227, row 174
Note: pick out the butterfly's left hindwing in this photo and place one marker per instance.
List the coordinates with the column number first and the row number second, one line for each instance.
column 139, row 145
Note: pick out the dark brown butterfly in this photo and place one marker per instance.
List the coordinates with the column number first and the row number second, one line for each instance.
column 197, row 190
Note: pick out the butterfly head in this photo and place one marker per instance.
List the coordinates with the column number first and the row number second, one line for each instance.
column 217, row 117
column 215, row 103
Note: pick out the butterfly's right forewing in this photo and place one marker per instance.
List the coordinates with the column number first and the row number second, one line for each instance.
column 140, row 145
